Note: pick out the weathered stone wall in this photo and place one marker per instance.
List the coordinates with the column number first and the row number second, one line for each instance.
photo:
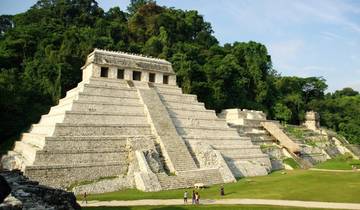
column 210, row 158
column 26, row 194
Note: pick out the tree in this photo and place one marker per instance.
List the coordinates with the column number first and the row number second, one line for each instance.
column 282, row 112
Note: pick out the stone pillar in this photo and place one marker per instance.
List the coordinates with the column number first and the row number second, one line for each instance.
column 159, row 78
column 312, row 121
column 96, row 71
column 172, row 80
column 128, row 74
column 112, row 72
column 144, row 76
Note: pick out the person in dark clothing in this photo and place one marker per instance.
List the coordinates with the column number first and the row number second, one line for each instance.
column 222, row 191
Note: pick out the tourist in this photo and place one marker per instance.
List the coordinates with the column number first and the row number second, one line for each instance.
column 185, row 197
column 222, row 191
column 84, row 198
column 193, row 197
column 197, row 198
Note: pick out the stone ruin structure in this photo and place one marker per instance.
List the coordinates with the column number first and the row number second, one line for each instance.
column 315, row 146
column 127, row 120
column 312, row 121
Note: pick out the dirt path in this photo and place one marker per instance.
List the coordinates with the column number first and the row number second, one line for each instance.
column 331, row 170
column 306, row 204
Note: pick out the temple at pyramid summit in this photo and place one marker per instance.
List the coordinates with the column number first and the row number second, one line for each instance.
column 128, row 121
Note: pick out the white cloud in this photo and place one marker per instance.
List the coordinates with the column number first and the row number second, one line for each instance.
column 330, row 36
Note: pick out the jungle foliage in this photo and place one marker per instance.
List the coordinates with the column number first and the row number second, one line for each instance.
column 42, row 50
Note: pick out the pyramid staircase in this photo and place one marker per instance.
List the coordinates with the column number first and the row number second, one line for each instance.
column 196, row 124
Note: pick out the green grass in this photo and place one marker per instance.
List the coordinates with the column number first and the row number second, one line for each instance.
column 294, row 185
column 189, row 207
column 338, row 164
column 291, row 162
column 294, row 131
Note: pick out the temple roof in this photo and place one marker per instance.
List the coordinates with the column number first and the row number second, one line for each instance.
column 129, row 61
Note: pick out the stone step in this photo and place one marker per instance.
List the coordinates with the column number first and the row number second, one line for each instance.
column 67, row 129
column 235, row 147
column 206, row 131
column 228, row 143
column 28, row 151
column 62, row 176
column 178, row 97
column 108, row 82
column 79, row 88
column 178, row 105
column 83, row 143
column 134, row 108
column 261, row 139
column 184, row 103
column 216, row 138
column 42, row 129
column 251, row 131
column 115, row 100
column 91, row 142
column 246, row 156
column 240, row 151
column 191, row 122
column 73, row 157
column 202, row 114
column 61, row 108
column 37, row 140
column 51, row 119
column 67, row 100
column 80, row 117
column 168, row 90
column 165, row 86
column 109, row 91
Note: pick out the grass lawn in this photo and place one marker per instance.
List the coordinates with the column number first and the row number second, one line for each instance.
column 208, row 207
column 335, row 164
column 294, row 185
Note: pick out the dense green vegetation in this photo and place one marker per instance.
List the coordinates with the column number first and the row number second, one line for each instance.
column 42, row 50
column 208, row 207
column 293, row 185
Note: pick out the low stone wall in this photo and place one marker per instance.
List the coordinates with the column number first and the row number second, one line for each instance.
column 105, row 185
column 63, row 176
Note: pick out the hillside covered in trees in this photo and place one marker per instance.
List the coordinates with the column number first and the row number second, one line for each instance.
column 42, row 50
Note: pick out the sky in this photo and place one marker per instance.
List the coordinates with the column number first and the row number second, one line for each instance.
column 304, row 37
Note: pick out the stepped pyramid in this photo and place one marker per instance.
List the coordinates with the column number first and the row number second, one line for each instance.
column 128, row 119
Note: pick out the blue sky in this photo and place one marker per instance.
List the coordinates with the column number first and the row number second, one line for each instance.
column 305, row 38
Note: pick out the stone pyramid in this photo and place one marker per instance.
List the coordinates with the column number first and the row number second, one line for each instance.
column 128, row 119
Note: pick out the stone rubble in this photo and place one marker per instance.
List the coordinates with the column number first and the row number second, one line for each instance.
column 29, row 195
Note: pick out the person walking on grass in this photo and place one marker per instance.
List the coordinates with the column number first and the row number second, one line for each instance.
column 193, row 197
column 185, row 197
column 84, row 198
column 197, row 198
column 222, row 191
